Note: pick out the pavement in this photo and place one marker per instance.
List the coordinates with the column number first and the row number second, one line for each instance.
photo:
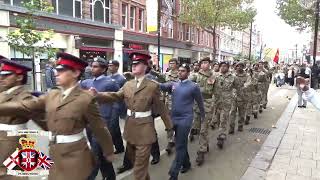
column 232, row 162
column 292, row 151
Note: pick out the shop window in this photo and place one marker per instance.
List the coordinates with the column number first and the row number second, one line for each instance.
column 141, row 20
column 100, row 10
column 71, row 8
column 132, row 17
column 124, row 15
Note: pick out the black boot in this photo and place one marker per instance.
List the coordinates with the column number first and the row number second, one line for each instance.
column 155, row 160
column 170, row 147
column 255, row 115
column 200, row 158
column 260, row 110
column 221, row 139
column 247, row 122
column 231, row 130
column 122, row 169
column 240, row 128
column 264, row 106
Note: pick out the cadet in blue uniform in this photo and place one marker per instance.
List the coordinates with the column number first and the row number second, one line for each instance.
column 184, row 93
column 103, row 83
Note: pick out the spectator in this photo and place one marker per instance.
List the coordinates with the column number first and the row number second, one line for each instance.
column 301, row 102
column 291, row 74
column 50, row 74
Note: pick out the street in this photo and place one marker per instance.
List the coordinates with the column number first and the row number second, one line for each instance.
column 227, row 164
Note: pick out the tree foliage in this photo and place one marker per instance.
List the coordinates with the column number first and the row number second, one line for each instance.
column 295, row 14
column 211, row 14
column 26, row 38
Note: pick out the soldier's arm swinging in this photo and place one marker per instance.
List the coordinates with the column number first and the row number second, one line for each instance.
column 109, row 97
column 159, row 106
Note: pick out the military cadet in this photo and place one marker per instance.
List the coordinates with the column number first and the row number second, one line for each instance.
column 113, row 67
column 215, row 117
column 205, row 82
column 68, row 112
column 13, row 77
column 140, row 96
column 184, row 93
column 224, row 86
column 111, row 119
column 262, row 82
column 171, row 76
column 240, row 99
column 258, row 77
column 193, row 75
column 268, row 72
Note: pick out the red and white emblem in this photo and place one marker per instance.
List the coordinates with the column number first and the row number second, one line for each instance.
column 28, row 159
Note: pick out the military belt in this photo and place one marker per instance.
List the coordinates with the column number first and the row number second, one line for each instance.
column 61, row 139
column 12, row 127
column 138, row 114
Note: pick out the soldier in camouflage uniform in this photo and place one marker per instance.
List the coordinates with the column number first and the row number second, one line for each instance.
column 194, row 73
column 171, row 76
column 205, row 82
column 240, row 102
column 261, row 77
column 224, row 86
column 215, row 122
column 268, row 72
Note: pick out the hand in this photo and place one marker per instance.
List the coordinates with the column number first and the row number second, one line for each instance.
column 93, row 91
column 170, row 133
column 110, row 157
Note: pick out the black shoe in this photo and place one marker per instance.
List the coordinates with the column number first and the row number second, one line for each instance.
column 119, row 151
column 264, row 106
column 213, row 127
column 304, row 106
column 231, row 131
column 155, row 160
column 173, row 178
column 220, row 142
column 260, row 110
column 200, row 158
column 185, row 169
column 123, row 169
column 255, row 115
column 240, row 128
column 191, row 137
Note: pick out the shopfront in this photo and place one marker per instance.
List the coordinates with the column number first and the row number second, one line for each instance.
column 128, row 48
column 91, row 48
column 166, row 54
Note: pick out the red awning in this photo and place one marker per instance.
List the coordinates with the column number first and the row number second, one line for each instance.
column 85, row 48
column 126, row 50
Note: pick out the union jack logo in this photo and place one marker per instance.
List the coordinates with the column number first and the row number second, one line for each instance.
column 44, row 161
column 28, row 159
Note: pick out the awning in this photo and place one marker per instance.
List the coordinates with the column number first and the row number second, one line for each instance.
column 86, row 48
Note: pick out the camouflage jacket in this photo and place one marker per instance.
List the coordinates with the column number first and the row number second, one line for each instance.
column 242, row 78
column 193, row 76
column 172, row 76
column 224, row 86
column 205, row 82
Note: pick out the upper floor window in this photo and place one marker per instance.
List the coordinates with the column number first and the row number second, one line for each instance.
column 132, row 17
column 187, row 33
column 124, row 15
column 101, row 10
column 141, row 20
column 68, row 7
column 14, row 2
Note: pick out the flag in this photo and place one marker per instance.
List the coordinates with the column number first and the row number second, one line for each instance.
column 44, row 161
column 12, row 160
column 276, row 57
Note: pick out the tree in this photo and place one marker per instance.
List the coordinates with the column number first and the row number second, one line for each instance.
column 211, row 14
column 296, row 15
column 26, row 38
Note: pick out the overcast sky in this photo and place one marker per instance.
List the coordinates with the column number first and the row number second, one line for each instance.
column 276, row 33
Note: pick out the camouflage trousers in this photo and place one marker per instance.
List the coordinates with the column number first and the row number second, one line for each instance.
column 253, row 103
column 265, row 94
column 203, row 140
column 224, row 107
column 215, row 121
column 240, row 107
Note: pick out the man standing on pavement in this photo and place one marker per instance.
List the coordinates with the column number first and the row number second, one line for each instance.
column 140, row 95
column 103, row 83
column 13, row 77
column 184, row 93
column 50, row 75
column 205, row 82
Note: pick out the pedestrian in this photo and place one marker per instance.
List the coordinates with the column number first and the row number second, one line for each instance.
column 13, row 77
column 50, row 74
column 309, row 94
column 68, row 111
column 103, row 83
column 301, row 102
column 184, row 94
column 140, row 95
column 291, row 76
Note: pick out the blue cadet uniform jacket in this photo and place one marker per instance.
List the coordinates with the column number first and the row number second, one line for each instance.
column 184, row 93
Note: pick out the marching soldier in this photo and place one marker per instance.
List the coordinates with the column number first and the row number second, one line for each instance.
column 193, row 75
column 68, row 112
column 268, row 72
column 262, row 82
column 224, row 86
column 240, row 100
column 215, row 117
column 140, row 96
column 171, row 76
column 205, row 82
column 13, row 77
column 110, row 116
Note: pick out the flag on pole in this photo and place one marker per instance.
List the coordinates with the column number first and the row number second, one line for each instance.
column 276, row 57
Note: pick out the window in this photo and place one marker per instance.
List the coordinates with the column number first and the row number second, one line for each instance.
column 132, row 17
column 141, row 16
column 17, row 2
column 124, row 15
column 68, row 7
column 192, row 34
column 187, row 33
column 170, row 30
column 100, row 10
column 180, row 29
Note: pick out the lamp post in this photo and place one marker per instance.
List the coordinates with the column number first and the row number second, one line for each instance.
column 316, row 28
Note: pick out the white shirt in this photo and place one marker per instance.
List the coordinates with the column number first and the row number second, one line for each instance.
column 139, row 81
column 66, row 93
column 312, row 96
column 308, row 71
column 9, row 91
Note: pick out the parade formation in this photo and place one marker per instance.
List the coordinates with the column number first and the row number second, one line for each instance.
column 191, row 99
